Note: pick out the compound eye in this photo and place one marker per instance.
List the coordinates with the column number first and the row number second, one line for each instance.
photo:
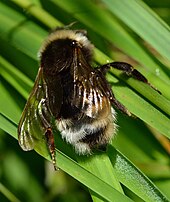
column 74, row 43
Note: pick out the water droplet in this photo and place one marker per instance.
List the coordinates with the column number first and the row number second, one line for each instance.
column 157, row 71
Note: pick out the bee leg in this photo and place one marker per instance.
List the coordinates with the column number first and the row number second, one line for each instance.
column 119, row 106
column 128, row 70
column 51, row 145
column 102, row 148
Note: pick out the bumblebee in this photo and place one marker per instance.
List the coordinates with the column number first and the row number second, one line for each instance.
column 73, row 93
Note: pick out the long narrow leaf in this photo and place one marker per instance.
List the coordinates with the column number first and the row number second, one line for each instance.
column 104, row 190
column 158, row 34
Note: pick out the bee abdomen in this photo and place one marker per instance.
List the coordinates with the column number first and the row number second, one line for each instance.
column 88, row 136
column 94, row 137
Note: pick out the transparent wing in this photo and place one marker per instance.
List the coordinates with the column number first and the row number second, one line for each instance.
column 91, row 91
column 36, row 116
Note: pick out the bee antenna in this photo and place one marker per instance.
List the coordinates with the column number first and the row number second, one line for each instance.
column 70, row 25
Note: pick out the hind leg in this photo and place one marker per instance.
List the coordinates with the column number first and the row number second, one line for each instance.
column 128, row 70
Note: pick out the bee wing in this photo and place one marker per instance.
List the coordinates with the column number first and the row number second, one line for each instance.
column 37, row 113
column 91, row 92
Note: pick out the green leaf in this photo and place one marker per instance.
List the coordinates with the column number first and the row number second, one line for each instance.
column 8, row 194
column 134, row 178
column 16, row 78
column 38, row 13
column 158, row 34
column 124, row 170
column 94, row 183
